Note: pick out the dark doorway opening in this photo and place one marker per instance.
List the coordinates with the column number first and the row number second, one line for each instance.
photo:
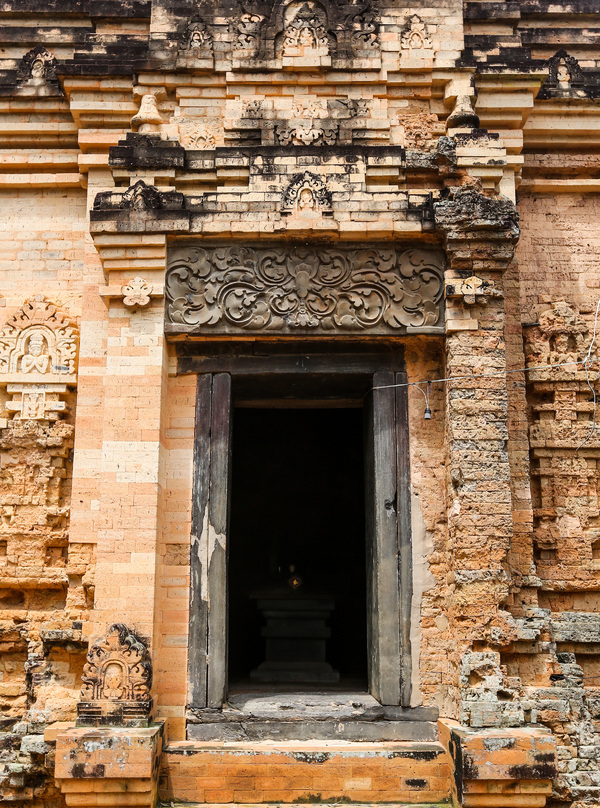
column 297, row 511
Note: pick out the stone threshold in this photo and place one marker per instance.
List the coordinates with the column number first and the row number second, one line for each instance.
column 344, row 716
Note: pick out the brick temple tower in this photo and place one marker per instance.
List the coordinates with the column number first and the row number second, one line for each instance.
column 299, row 440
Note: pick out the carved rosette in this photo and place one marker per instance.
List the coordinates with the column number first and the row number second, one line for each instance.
column 318, row 290
column 136, row 293
column 117, row 677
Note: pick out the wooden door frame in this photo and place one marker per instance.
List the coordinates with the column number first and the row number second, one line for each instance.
column 223, row 369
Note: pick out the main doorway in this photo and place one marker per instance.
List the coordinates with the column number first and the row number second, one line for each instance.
column 297, row 557
column 301, row 461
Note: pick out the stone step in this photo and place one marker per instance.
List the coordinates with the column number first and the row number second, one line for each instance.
column 290, row 772
column 305, row 716
column 302, row 805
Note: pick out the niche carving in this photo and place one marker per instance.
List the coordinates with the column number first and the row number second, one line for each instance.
column 196, row 45
column 560, row 336
column 565, row 78
column 305, row 33
column 415, row 35
column 38, row 359
column 306, row 195
column 39, row 339
column 117, row 678
column 38, row 63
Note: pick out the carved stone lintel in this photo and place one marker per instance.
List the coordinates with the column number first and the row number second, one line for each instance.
column 117, row 677
column 36, row 402
column 324, row 290
column 306, row 134
column 136, row 293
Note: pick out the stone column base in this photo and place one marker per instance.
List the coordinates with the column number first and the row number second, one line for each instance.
column 500, row 767
column 112, row 766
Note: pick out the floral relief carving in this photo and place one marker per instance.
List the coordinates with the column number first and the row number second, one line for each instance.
column 117, row 677
column 248, row 32
column 415, row 35
column 195, row 135
column 365, row 30
column 39, row 339
column 227, row 289
column 306, row 135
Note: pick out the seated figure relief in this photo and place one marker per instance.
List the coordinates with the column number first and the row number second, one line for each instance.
column 37, row 358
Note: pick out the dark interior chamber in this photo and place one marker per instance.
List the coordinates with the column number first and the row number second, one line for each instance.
column 297, row 509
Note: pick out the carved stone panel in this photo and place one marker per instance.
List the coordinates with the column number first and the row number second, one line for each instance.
column 304, row 290
column 117, row 677
column 38, row 341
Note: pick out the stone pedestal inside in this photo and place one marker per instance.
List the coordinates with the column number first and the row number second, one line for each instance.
column 296, row 634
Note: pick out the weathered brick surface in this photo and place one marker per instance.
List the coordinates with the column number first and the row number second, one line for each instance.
column 267, row 773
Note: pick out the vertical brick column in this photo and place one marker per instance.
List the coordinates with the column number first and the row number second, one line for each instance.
column 118, row 456
column 480, row 233
column 129, row 468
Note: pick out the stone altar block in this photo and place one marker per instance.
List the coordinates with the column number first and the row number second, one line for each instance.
column 296, row 635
